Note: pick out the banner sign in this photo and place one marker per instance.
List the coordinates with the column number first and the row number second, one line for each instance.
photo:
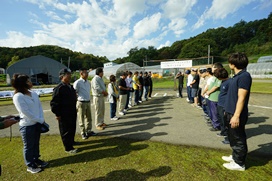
column 176, row 64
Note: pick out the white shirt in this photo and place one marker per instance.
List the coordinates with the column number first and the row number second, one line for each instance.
column 97, row 86
column 83, row 88
column 190, row 79
column 29, row 108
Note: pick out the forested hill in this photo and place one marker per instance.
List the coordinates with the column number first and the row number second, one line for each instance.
column 254, row 38
column 77, row 59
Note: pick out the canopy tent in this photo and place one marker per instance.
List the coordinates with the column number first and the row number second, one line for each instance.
column 41, row 69
column 118, row 69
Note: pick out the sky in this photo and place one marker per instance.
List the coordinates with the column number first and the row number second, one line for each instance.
column 112, row 27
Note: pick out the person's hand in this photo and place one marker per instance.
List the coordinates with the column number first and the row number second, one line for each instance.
column 9, row 122
column 234, row 122
column 9, row 117
column 104, row 93
column 58, row 118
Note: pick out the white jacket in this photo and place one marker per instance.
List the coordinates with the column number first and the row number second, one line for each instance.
column 111, row 92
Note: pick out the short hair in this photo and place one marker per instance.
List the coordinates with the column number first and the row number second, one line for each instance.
column 145, row 73
column 98, row 70
column 19, row 83
column 239, row 60
column 124, row 74
column 217, row 65
column 209, row 70
column 129, row 73
column 141, row 72
column 112, row 78
column 221, row 73
column 82, row 69
column 136, row 72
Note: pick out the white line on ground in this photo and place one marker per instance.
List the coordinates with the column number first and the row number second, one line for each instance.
column 265, row 107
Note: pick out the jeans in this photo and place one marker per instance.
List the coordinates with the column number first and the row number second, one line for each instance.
column 112, row 110
column 213, row 114
column 189, row 89
column 146, row 88
column 31, row 140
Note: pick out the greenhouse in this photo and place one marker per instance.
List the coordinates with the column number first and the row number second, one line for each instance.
column 117, row 69
column 260, row 70
column 265, row 59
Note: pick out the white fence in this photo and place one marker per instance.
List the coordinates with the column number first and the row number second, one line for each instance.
column 9, row 94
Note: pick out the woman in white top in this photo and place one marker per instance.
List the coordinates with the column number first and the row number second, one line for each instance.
column 30, row 110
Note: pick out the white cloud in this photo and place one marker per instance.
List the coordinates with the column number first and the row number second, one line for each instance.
column 220, row 10
column 176, row 11
column 147, row 26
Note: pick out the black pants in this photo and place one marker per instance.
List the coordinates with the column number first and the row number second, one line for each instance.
column 180, row 90
column 222, row 120
column 150, row 90
column 67, row 127
column 237, row 139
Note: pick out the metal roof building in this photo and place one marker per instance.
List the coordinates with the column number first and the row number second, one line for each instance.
column 41, row 69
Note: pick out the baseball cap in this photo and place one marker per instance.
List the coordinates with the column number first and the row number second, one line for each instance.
column 64, row 71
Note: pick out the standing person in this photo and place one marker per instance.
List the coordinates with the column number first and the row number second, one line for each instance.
column 180, row 77
column 222, row 74
column 129, row 93
column 63, row 105
column 99, row 92
column 113, row 97
column 141, row 80
column 83, row 89
column 236, row 108
column 189, row 89
column 30, row 110
column 136, row 87
column 146, row 85
column 123, row 93
column 212, row 94
column 150, row 84
column 194, row 85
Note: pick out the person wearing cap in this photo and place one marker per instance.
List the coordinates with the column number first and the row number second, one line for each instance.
column 99, row 92
column 84, row 115
column 63, row 105
column 122, row 93
column 180, row 77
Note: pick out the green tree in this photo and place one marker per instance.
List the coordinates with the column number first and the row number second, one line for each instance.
column 14, row 59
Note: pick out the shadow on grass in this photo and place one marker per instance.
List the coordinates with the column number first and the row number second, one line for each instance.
column 132, row 174
column 259, row 157
column 99, row 149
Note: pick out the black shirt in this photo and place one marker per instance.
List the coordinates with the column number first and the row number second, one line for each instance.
column 146, row 81
column 122, row 83
column 242, row 80
column 196, row 84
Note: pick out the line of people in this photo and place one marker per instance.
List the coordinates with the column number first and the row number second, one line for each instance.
column 224, row 102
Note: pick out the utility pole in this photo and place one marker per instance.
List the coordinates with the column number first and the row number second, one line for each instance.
column 208, row 54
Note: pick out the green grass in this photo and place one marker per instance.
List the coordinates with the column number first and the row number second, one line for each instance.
column 109, row 158
column 261, row 87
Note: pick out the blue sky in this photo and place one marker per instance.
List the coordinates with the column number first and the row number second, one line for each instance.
column 112, row 27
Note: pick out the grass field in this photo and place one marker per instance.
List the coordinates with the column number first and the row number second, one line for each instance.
column 109, row 158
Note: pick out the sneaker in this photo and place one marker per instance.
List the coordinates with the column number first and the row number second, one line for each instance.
column 234, row 166
column 33, row 169
column 140, row 101
column 214, row 129
column 91, row 134
column 225, row 142
column 187, row 100
column 228, row 158
column 104, row 125
column 130, row 106
column 199, row 107
column 114, row 118
column 220, row 135
column 99, row 127
column 122, row 113
column 209, row 124
column 84, row 136
column 125, row 110
column 74, row 151
column 41, row 163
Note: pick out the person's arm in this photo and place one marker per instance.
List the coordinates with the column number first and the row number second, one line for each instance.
column 212, row 90
column 55, row 103
column 7, row 123
column 235, row 121
column 21, row 105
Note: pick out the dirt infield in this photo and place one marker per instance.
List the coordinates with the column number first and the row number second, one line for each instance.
column 169, row 119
